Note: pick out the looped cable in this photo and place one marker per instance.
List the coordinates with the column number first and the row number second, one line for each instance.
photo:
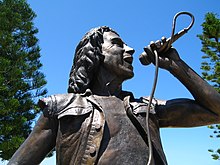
column 149, row 106
column 173, row 37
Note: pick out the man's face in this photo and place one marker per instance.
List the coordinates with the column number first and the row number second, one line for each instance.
column 118, row 56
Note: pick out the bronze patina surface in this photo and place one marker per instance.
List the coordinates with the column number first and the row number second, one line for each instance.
column 98, row 123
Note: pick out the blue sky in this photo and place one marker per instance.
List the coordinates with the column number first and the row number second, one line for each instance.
column 62, row 24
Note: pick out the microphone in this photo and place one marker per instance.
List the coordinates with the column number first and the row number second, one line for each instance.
column 166, row 43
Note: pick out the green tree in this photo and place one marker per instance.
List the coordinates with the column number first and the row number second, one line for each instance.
column 21, row 80
column 211, row 64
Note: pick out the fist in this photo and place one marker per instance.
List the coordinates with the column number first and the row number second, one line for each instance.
column 166, row 54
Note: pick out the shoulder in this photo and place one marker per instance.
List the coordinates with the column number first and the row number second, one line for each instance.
column 155, row 101
column 142, row 104
column 55, row 105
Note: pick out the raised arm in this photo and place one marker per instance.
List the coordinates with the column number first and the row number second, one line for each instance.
column 39, row 143
column 204, row 94
column 204, row 110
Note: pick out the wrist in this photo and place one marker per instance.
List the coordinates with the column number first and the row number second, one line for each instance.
column 177, row 67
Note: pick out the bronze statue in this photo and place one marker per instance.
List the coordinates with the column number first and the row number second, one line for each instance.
column 98, row 123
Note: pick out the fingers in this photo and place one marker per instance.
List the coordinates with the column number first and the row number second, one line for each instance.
column 164, row 40
column 160, row 45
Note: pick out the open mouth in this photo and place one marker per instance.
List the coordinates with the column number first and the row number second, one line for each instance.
column 128, row 58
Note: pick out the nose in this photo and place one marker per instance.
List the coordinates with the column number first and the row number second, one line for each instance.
column 129, row 50
column 128, row 54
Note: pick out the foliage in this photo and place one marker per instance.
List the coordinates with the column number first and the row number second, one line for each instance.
column 21, row 80
column 211, row 64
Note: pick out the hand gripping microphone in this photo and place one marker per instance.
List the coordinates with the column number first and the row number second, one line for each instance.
column 149, row 50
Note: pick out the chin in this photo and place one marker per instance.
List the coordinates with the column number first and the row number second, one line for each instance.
column 129, row 75
column 125, row 73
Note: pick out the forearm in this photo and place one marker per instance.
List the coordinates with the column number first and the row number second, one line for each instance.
column 39, row 143
column 202, row 92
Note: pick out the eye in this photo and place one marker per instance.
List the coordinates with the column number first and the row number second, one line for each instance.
column 118, row 42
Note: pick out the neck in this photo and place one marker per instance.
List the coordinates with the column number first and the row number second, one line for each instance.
column 106, row 84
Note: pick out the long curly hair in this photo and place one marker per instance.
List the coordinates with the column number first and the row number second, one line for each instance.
column 88, row 55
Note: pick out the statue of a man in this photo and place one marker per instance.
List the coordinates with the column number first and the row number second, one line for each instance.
column 98, row 123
